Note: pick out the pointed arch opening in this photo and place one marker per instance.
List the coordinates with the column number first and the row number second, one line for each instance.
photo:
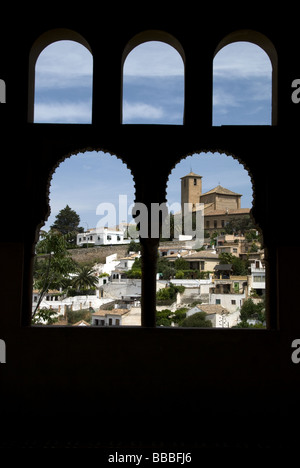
column 212, row 267
column 153, row 80
column 87, row 264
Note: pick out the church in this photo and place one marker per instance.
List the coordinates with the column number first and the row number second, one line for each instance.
column 220, row 204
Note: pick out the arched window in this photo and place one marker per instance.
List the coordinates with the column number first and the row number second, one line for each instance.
column 60, row 79
column 153, row 81
column 214, row 262
column 91, row 200
column 245, row 81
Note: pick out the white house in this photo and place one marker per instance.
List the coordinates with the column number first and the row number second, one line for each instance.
column 107, row 318
column 257, row 280
column 125, row 264
column 219, row 316
column 101, row 236
column 231, row 302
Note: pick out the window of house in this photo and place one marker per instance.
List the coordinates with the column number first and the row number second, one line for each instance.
column 63, row 84
column 153, row 84
column 242, row 85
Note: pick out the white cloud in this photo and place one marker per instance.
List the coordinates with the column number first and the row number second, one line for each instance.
column 141, row 111
column 225, row 99
column 241, row 60
column 62, row 112
column 64, row 64
column 154, row 59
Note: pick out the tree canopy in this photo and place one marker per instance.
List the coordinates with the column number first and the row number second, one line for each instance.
column 239, row 266
column 196, row 320
column 67, row 222
column 53, row 264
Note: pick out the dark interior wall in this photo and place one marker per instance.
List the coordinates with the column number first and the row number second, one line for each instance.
column 67, row 379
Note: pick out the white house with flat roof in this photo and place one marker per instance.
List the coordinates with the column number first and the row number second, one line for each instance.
column 101, row 236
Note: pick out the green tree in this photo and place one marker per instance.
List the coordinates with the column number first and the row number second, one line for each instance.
column 52, row 265
column 250, row 310
column 67, row 223
column 136, row 269
column 196, row 320
column 181, row 264
column 134, row 247
column 168, row 294
column 163, row 318
column 240, row 226
column 165, row 268
column 45, row 317
column 84, row 279
column 239, row 266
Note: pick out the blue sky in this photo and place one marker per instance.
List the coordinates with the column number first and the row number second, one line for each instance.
column 153, row 93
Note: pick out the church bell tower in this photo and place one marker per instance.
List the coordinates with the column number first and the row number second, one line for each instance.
column 191, row 189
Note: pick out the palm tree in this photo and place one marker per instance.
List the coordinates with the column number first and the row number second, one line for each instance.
column 84, row 279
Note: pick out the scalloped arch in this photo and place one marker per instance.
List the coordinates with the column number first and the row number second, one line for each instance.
column 228, row 154
column 45, row 215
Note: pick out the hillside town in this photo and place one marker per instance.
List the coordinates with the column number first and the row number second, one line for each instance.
column 221, row 284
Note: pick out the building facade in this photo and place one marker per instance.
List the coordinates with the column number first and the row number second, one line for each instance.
column 101, row 236
column 220, row 205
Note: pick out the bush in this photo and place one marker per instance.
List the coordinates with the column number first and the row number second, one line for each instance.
column 250, row 310
column 168, row 295
column 179, row 315
column 45, row 317
column 196, row 320
column 163, row 318
column 83, row 292
column 74, row 316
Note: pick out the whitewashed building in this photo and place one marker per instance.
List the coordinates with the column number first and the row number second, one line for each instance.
column 257, row 280
column 101, row 236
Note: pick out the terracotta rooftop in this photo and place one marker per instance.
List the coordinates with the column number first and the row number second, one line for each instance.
column 212, row 309
column 221, row 190
column 191, row 174
column 201, row 254
column 104, row 312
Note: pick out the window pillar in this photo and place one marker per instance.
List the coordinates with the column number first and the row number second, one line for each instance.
column 149, row 261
